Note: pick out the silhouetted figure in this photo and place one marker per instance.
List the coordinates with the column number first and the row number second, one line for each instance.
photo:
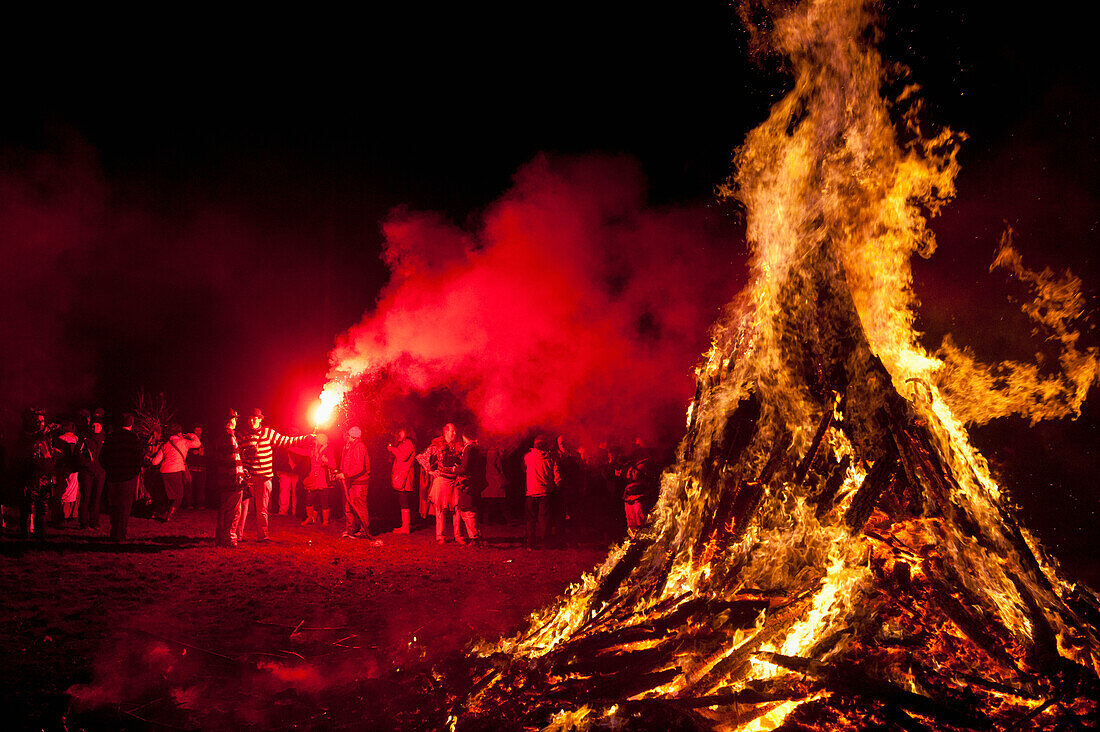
column 122, row 456
column 195, row 495
column 229, row 481
column 35, row 469
column 469, row 482
column 91, row 475
column 494, row 497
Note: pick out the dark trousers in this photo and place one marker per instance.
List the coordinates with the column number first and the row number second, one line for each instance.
column 121, row 497
column 175, row 490
column 91, row 496
column 33, row 503
column 356, row 515
column 227, row 510
column 189, row 499
column 536, row 512
column 198, row 481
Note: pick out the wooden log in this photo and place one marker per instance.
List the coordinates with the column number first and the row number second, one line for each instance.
column 803, row 468
column 626, row 564
column 737, row 433
column 850, row 679
column 627, row 683
column 985, row 634
column 827, row 497
column 869, row 492
column 744, row 508
column 614, row 662
column 775, row 458
column 742, row 696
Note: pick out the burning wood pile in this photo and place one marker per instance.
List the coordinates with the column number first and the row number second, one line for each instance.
column 829, row 552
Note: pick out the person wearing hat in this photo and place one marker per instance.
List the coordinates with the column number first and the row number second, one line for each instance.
column 171, row 458
column 229, row 481
column 258, row 445
column 355, row 475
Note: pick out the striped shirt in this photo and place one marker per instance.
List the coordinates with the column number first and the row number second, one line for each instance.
column 238, row 465
column 258, row 449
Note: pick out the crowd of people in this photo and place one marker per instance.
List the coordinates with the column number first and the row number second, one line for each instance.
column 70, row 471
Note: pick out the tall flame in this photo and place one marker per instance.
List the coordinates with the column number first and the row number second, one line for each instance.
column 828, row 514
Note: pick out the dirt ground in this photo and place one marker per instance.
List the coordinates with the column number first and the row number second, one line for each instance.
column 309, row 631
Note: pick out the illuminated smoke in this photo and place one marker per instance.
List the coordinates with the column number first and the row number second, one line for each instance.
column 50, row 209
column 568, row 302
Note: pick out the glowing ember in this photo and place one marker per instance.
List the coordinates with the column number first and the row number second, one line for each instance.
column 830, row 552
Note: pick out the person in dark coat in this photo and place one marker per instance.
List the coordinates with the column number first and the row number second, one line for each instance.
column 227, row 472
column 35, row 468
column 92, row 477
column 469, row 482
column 121, row 457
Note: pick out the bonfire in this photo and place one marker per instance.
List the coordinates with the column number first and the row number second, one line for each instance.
column 829, row 551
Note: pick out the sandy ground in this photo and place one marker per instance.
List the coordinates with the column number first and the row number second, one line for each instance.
column 309, row 631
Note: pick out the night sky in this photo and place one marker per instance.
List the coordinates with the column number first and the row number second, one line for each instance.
column 194, row 205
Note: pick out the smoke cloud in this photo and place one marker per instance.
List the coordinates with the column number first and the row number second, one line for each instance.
column 569, row 302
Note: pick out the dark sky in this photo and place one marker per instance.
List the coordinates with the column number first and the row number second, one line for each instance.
column 203, row 194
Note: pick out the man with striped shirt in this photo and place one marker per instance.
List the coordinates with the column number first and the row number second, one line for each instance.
column 258, row 445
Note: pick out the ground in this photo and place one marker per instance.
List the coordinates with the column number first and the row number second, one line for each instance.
column 310, row 631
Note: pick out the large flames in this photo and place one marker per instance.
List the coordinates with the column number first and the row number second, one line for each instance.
column 830, row 551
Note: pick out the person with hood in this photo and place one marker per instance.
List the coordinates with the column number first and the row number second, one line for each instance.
column 355, row 475
column 171, row 458
column 543, row 478
column 440, row 461
column 403, row 475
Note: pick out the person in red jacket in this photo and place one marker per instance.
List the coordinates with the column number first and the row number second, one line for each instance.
column 543, row 478
column 355, row 475
column 171, row 459
column 403, row 476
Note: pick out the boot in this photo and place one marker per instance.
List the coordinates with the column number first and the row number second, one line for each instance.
column 324, row 516
column 458, row 530
column 311, row 516
column 406, row 515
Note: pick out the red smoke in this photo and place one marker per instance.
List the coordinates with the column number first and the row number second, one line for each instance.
column 570, row 303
